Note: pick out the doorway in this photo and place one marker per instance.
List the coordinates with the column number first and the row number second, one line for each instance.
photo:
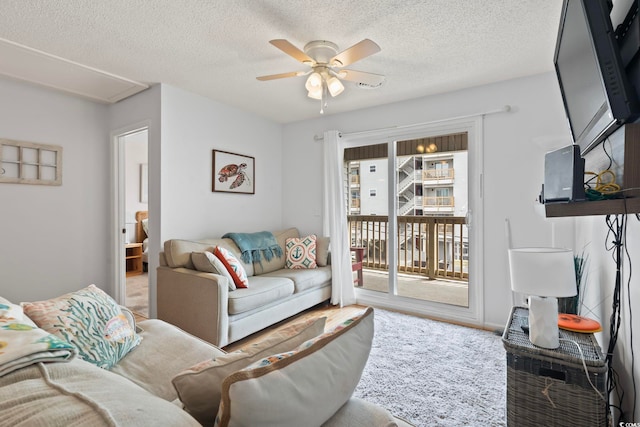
column 411, row 199
column 131, row 209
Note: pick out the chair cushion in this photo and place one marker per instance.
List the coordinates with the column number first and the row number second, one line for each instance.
column 161, row 356
column 322, row 251
column 80, row 394
column 276, row 263
column 260, row 292
column 177, row 252
column 305, row 279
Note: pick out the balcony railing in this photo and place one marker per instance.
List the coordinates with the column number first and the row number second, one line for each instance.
column 437, row 174
column 434, row 247
column 434, row 202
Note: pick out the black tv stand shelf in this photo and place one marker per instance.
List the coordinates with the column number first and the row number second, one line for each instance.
column 593, row 207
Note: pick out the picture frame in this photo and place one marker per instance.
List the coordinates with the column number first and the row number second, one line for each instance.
column 232, row 173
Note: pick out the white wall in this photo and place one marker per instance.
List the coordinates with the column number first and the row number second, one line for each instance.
column 54, row 239
column 192, row 126
column 514, row 147
column 184, row 128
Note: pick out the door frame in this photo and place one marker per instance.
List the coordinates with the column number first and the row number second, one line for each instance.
column 118, row 205
column 474, row 313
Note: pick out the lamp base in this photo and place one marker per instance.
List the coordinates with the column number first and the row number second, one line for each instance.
column 543, row 322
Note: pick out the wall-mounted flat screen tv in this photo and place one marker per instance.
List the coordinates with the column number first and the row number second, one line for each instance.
column 598, row 97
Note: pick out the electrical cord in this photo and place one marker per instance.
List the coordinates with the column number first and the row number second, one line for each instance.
column 633, row 358
column 604, row 188
column 616, row 237
column 584, row 365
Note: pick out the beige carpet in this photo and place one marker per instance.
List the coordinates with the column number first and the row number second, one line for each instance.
column 138, row 294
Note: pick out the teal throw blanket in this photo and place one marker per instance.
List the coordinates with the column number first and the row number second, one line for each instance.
column 254, row 245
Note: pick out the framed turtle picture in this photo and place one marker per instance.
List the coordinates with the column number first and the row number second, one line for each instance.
column 233, row 173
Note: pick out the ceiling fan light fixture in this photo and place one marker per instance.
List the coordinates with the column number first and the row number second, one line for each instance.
column 335, row 86
column 315, row 93
column 314, row 82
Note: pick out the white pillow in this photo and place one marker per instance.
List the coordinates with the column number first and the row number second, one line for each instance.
column 209, row 263
column 310, row 383
column 199, row 386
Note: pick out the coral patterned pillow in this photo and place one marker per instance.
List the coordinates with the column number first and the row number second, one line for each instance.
column 233, row 266
column 90, row 320
column 301, row 252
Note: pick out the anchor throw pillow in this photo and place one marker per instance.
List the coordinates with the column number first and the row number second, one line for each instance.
column 301, row 252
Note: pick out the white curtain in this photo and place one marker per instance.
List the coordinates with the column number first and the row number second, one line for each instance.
column 335, row 221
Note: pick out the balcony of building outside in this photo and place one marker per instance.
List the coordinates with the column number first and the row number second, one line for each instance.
column 432, row 262
column 354, row 206
column 354, row 180
column 435, row 204
column 438, row 176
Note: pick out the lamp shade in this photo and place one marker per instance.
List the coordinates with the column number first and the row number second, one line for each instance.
column 548, row 272
column 335, row 86
column 314, row 82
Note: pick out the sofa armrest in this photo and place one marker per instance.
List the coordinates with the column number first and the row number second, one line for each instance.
column 194, row 301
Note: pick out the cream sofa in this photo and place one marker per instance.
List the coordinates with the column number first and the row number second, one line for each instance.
column 141, row 388
column 202, row 304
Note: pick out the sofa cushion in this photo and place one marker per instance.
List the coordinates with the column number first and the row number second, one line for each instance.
column 276, row 263
column 322, row 251
column 305, row 279
column 233, row 265
column 90, row 320
column 161, row 356
column 199, row 387
column 209, row 263
column 177, row 252
column 301, row 252
column 80, row 394
column 261, row 291
column 310, row 383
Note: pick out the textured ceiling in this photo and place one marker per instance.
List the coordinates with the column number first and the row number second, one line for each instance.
column 217, row 48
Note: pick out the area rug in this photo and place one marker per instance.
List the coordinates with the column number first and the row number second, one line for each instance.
column 434, row 373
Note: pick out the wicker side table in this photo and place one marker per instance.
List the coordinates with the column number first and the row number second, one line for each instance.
column 550, row 387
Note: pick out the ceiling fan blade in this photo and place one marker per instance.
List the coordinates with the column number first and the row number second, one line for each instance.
column 292, row 51
column 369, row 79
column 281, row 75
column 355, row 53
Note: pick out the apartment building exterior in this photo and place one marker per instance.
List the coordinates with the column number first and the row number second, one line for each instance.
column 427, row 185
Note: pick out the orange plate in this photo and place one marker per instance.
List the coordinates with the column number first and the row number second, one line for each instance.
column 575, row 323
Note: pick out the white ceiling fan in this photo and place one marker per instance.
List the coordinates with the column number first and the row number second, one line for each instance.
column 326, row 67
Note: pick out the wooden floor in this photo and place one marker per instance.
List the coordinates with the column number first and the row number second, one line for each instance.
column 334, row 314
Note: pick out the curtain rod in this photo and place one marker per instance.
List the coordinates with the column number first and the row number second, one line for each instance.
column 504, row 109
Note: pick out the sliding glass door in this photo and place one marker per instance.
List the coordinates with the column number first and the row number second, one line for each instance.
column 409, row 206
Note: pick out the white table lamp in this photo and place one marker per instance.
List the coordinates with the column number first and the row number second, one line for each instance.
column 544, row 274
